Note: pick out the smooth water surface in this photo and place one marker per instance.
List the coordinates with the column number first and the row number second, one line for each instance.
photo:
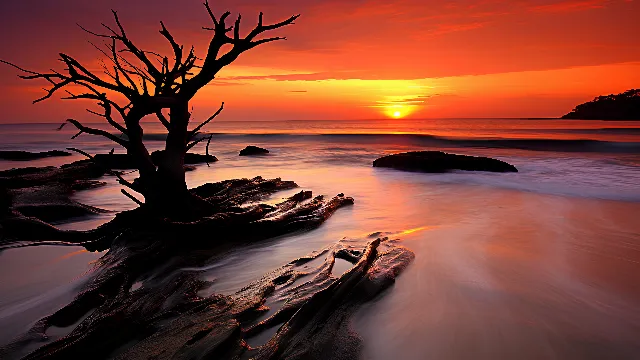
column 543, row 263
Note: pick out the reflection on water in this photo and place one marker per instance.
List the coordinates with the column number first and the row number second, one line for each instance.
column 538, row 264
column 498, row 273
column 519, row 276
column 37, row 281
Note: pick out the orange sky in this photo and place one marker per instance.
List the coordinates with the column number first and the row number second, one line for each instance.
column 360, row 59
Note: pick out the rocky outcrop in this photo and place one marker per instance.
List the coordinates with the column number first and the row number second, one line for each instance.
column 124, row 161
column 74, row 174
column 26, row 155
column 440, row 162
column 107, row 161
column 144, row 298
column 253, row 150
column 45, row 193
column 189, row 158
column 164, row 317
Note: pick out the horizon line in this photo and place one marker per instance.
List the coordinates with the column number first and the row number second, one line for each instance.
column 361, row 119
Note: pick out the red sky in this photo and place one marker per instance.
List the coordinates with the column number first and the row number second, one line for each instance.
column 360, row 59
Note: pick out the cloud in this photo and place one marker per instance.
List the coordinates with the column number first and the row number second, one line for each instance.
column 409, row 100
column 568, row 6
column 419, row 99
column 226, row 82
column 442, row 29
column 317, row 76
column 298, row 91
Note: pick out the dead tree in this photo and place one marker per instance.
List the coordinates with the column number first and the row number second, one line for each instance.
column 151, row 82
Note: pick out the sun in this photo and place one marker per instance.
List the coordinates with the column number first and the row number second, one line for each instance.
column 397, row 111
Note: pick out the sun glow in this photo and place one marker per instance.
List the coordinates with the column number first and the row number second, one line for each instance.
column 397, row 111
column 401, row 106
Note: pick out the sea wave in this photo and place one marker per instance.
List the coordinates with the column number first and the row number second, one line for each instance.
column 558, row 145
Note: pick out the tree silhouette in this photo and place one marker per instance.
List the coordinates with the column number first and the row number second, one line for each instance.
column 623, row 106
column 150, row 82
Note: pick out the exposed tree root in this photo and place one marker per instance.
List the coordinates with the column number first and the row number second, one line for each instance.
column 138, row 305
column 165, row 319
column 228, row 208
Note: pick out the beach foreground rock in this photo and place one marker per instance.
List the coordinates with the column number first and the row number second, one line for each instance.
column 20, row 155
column 140, row 307
column 189, row 158
column 124, row 161
column 441, row 162
column 45, row 193
column 253, row 150
column 164, row 317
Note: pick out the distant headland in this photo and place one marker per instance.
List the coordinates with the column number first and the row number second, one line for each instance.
column 623, row 106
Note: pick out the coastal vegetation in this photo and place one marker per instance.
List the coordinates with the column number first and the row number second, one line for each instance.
column 623, row 106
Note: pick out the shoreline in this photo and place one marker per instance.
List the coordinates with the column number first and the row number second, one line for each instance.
column 450, row 216
column 439, row 232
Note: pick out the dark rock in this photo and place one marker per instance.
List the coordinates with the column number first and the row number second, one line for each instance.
column 107, row 161
column 87, row 184
column 26, row 155
column 37, row 176
column 189, row 158
column 28, row 171
column 192, row 158
column 5, row 201
column 170, row 320
column 124, row 161
column 115, row 161
column 253, row 150
column 52, row 201
column 57, row 211
column 45, row 192
column 440, row 162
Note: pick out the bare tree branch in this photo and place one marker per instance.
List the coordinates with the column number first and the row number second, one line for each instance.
column 207, row 149
column 151, row 83
column 213, row 17
column 163, row 119
column 213, row 63
column 133, row 198
column 197, row 129
column 93, row 131
column 177, row 49
column 195, row 142
column 260, row 28
column 121, row 180
column 264, row 41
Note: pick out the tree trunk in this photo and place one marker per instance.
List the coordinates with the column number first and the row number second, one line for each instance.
column 164, row 188
column 138, row 152
column 172, row 195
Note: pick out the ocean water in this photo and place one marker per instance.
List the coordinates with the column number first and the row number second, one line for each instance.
column 537, row 264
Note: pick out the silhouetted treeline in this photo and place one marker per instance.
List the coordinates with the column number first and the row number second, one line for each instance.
column 624, row 106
